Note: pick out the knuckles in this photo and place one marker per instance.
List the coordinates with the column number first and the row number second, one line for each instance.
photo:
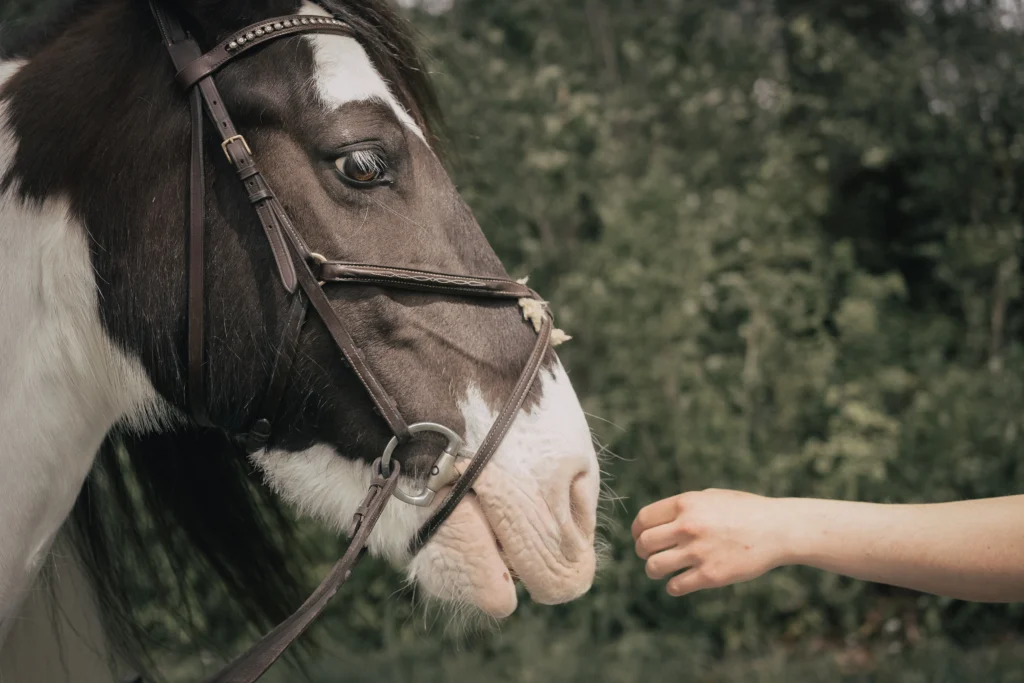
column 713, row 576
column 660, row 566
column 642, row 522
column 644, row 544
column 689, row 527
column 653, row 569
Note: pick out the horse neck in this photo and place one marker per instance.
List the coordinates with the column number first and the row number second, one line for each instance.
column 65, row 384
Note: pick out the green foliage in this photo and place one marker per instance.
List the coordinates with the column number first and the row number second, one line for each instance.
column 787, row 242
column 786, row 238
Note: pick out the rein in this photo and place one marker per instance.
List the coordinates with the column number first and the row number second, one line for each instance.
column 302, row 274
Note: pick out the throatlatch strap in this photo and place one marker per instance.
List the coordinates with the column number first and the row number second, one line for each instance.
column 249, row 666
column 182, row 50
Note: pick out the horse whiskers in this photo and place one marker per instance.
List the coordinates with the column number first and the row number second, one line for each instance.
column 606, row 421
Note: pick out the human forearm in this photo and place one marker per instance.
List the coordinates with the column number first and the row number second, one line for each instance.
column 971, row 550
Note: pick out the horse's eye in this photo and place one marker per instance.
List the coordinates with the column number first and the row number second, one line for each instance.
column 362, row 167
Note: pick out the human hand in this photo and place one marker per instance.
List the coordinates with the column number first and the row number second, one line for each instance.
column 718, row 537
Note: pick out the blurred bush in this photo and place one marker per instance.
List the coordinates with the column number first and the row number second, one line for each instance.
column 787, row 239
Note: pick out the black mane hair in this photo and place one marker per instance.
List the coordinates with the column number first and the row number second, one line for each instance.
column 179, row 520
column 22, row 36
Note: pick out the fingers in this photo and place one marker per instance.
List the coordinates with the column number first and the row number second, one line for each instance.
column 669, row 562
column 659, row 538
column 655, row 514
column 690, row 581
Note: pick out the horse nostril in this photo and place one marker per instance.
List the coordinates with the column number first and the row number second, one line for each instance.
column 581, row 503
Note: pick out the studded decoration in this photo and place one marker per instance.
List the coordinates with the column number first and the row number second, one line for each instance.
column 242, row 40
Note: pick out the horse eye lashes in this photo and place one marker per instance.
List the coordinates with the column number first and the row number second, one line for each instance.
column 368, row 160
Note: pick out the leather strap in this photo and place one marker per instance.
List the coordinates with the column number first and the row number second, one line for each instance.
column 196, row 265
column 423, row 280
column 181, row 50
column 386, row 406
column 256, row 34
column 237, row 151
column 249, row 666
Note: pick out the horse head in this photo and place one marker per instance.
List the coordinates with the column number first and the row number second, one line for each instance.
column 95, row 159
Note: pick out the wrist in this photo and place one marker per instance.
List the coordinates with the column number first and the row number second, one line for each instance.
column 796, row 520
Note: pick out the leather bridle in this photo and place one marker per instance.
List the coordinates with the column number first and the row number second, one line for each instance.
column 301, row 272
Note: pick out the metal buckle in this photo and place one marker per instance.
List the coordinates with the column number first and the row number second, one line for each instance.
column 320, row 260
column 442, row 474
column 234, row 138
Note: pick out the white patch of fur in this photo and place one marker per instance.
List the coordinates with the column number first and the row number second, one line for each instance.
column 344, row 72
column 9, row 68
column 64, row 382
column 540, row 439
column 326, row 486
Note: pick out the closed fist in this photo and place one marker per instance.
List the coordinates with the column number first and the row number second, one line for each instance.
column 713, row 537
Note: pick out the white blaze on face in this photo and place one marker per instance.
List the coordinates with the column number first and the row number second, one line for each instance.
column 344, row 72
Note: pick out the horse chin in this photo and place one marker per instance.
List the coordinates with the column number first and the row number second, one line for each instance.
column 463, row 564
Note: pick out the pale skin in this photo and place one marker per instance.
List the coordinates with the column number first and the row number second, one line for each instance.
column 969, row 550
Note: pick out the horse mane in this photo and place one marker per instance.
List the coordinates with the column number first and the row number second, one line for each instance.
column 24, row 36
column 180, row 520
